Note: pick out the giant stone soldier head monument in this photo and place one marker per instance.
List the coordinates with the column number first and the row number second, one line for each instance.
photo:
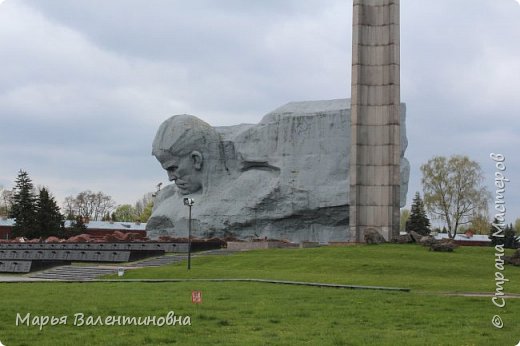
column 317, row 170
column 286, row 177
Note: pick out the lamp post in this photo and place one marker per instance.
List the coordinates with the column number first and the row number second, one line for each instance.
column 189, row 203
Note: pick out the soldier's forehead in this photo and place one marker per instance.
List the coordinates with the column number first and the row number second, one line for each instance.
column 165, row 156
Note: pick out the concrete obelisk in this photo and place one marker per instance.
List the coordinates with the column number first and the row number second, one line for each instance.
column 375, row 124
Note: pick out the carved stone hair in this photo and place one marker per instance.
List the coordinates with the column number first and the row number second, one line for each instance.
column 182, row 134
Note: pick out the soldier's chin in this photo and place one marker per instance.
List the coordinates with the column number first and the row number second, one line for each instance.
column 183, row 190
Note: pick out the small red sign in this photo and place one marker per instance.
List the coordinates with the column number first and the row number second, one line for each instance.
column 196, row 297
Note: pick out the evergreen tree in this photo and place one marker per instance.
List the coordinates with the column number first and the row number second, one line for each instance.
column 418, row 221
column 510, row 239
column 505, row 235
column 48, row 216
column 492, row 229
column 23, row 209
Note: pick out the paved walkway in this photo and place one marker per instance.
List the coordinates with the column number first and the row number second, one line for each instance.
column 282, row 282
column 481, row 294
column 17, row 278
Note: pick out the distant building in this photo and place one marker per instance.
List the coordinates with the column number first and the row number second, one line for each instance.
column 97, row 229
column 468, row 239
column 6, row 227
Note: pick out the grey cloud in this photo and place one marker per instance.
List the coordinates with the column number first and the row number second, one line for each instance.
column 85, row 83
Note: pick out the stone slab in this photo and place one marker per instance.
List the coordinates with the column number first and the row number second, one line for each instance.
column 286, row 177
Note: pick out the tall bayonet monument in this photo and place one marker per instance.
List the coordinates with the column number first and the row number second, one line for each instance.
column 375, row 123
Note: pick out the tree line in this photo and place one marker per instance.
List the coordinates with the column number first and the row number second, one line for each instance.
column 37, row 214
column 453, row 193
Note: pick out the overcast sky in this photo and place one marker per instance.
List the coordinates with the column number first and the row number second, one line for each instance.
column 84, row 84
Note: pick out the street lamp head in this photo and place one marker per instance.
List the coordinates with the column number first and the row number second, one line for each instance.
column 188, row 201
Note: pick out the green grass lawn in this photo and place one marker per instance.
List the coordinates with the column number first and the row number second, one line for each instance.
column 468, row 269
column 237, row 313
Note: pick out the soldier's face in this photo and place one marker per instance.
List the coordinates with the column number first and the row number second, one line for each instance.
column 182, row 170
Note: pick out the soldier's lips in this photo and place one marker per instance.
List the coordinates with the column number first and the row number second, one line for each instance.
column 181, row 185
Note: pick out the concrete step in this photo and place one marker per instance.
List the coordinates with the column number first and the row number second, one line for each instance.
column 69, row 272
column 159, row 261
column 73, row 273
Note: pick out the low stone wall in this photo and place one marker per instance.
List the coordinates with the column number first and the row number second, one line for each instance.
column 15, row 266
column 24, row 257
